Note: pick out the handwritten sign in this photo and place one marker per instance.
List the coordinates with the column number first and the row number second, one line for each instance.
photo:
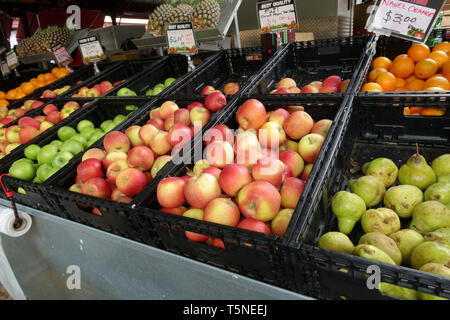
column 91, row 50
column 11, row 60
column 62, row 57
column 276, row 16
column 181, row 39
column 4, row 68
column 408, row 19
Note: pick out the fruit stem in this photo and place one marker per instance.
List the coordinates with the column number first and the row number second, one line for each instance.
column 417, row 150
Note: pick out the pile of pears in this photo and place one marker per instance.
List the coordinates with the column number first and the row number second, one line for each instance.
column 420, row 201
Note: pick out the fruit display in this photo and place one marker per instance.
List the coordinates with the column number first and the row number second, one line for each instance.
column 40, row 163
column 404, row 215
column 160, row 87
column 331, row 84
column 97, row 90
column 43, row 40
column 204, row 14
column 9, row 115
column 230, row 88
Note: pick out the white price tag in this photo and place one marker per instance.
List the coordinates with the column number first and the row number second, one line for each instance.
column 412, row 20
column 62, row 57
column 4, row 68
column 275, row 16
column 91, row 50
column 11, row 60
column 181, row 39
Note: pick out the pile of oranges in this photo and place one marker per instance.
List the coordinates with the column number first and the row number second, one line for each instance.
column 420, row 69
column 30, row 86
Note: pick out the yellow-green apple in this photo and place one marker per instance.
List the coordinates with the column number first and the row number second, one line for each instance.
column 157, row 123
column 182, row 116
column 159, row 163
column 294, row 161
column 75, row 188
column 54, row 117
column 67, row 111
column 251, row 114
column 131, row 181
column 2, row 135
column 214, row 171
column 198, row 215
column 12, row 134
column 27, row 104
column 200, row 166
column 170, row 192
column 194, row 104
column 16, row 112
column 116, row 194
column 116, row 140
column 291, row 145
column 49, row 108
column 222, row 211
column 286, row 83
column 45, row 125
column 114, row 169
column 41, row 118
column 298, row 125
column 271, row 135
column 207, row 90
column 344, row 85
column 160, row 143
column 219, row 132
column 141, row 157
column 147, row 132
column 95, row 153
column 309, row 147
column 259, row 200
column 295, row 90
column 154, row 114
column 306, row 172
column 279, row 116
column 254, row 225
column 83, row 91
column 322, row 127
column 309, row 88
column 219, row 154
column 167, row 109
column 90, row 168
column 10, row 147
column 180, row 134
column 280, row 223
column 291, row 192
column 231, row 88
column 133, row 135
column 176, row 211
column 113, row 156
column 200, row 190
column 93, row 93
column 269, row 170
column 199, row 116
column 27, row 121
column 247, row 148
column 317, row 84
column 97, row 187
column 169, row 123
column 215, row 101
column 28, row 133
column 283, row 91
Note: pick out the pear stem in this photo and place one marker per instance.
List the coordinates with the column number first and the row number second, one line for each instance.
column 428, row 234
column 417, row 150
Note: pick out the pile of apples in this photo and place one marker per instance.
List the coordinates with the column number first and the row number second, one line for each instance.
column 332, row 84
column 252, row 180
column 97, row 90
column 54, row 93
column 230, row 88
column 7, row 116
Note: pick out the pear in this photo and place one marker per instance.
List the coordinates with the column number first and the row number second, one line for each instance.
column 430, row 215
column 398, row 292
column 436, row 268
column 336, row 241
column 371, row 189
column 439, row 191
column 348, row 208
column 417, row 172
column 406, row 240
column 382, row 220
column 403, row 199
column 373, row 253
column 444, row 179
column 383, row 242
column 441, row 165
column 382, row 168
column 441, row 235
column 430, row 251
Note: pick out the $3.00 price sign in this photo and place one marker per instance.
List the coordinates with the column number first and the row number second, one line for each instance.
column 11, row 60
column 275, row 16
column 408, row 19
column 181, row 39
column 91, row 50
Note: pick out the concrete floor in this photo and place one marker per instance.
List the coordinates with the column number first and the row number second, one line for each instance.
column 3, row 294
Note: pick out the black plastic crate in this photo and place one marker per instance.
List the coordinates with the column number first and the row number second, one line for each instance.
column 232, row 65
column 313, row 61
column 326, row 274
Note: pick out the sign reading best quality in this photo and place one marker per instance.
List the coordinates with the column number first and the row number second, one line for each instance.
column 275, row 16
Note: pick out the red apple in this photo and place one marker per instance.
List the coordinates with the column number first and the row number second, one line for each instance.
column 131, row 181
column 114, row 169
column 344, row 85
column 140, row 157
column 306, row 172
column 180, row 134
column 269, row 170
column 147, row 132
column 233, row 178
column 309, row 147
column 328, row 89
column 95, row 153
column 154, row 114
column 90, row 168
column 176, row 211
column 170, row 192
column 49, row 108
column 215, row 101
column 194, row 104
column 160, row 143
column 182, row 116
column 310, row 89
column 293, row 161
column 220, row 154
column 247, row 148
column 167, row 109
column 48, row 94
column 214, row 171
column 295, row 90
column 36, row 105
column 132, row 134
column 279, row 116
column 222, row 211
column 199, row 116
column 219, row 132
column 113, row 156
column 157, row 123
column 116, row 140
column 317, row 84
column 332, row 81
column 28, row 133
column 54, row 117
column 116, row 194
column 200, row 190
column 283, row 91
column 286, row 83
column 207, row 90
column 231, row 88
column 291, row 192
column 198, row 215
column 27, row 121
column 251, row 114
column 168, row 123
column 259, row 200
column 271, row 135
column 94, row 93
column 254, row 225
column 281, row 222
column 322, row 127
column 97, row 187
column 105, row 89
column 298, row 125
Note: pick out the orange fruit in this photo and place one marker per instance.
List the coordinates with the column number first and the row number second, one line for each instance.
column 4, row 103
column 411, row 78
column 402, row 67
column 387, row 81
column 433, row 89
column 400, row 82
column 416, row 85
column 446, row 68
column 41, row 78
column 381, row 62
column 375, row 73
column 11, row 94
column 49, row 77
column 440, row 57
column 418, row 51
column 19, row 94
column 443, row 46
column 433, row 111
column 2, row 95
column 371, row 87
column 401, row 89
column 425, row 68
column 27, row 87
column 437, row 81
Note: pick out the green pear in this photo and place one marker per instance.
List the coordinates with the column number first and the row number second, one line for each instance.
column 373, row 253
column 430, row 251
column 382, row 220
column 444, row 179
column 383, row 242
column 441, row 235
column 371, row 189
column 441, row 165
column 382, row 168
column 348, row 208
column 336, row 241
column 430, row 215
column 439, row 191
column 398, row 292
column 417, row 172
column 403, row 199
column 436, row 268
column 406, row 240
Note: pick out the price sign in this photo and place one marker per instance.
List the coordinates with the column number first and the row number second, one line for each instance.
column 408, row 19
column 91, row 50
column 276, row 16
column 181, row 39
column 11, row 60
column 4, row 68
column 62, row 57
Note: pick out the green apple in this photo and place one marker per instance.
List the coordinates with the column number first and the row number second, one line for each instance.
column 80, row 139
column 37, row 180
column 94, row 138
column 131, row 107
column 84, row 124
column 32, row 151
column 72, row 146
column 57, row 143
column 22, row 170
column 125, row 92
column 87, row 132
column 119, row 119
column 45, row 171
column 47, row 153
column 159, row 86
column 168, row 82
column 107, row 125
column 65, row 133
column 61, row 159
column 149, row 93
column 21, row 190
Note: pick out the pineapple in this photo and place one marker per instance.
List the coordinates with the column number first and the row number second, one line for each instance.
column 43, row 40
column 206, row 15
column 182, row 13
column 158, row 19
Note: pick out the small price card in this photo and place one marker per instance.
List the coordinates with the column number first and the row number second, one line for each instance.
column 11, row 60
column 91, row 50
column 62, row 57
column 276, row 16
column 4, row 68
column 408, row 19
column 181, row 39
